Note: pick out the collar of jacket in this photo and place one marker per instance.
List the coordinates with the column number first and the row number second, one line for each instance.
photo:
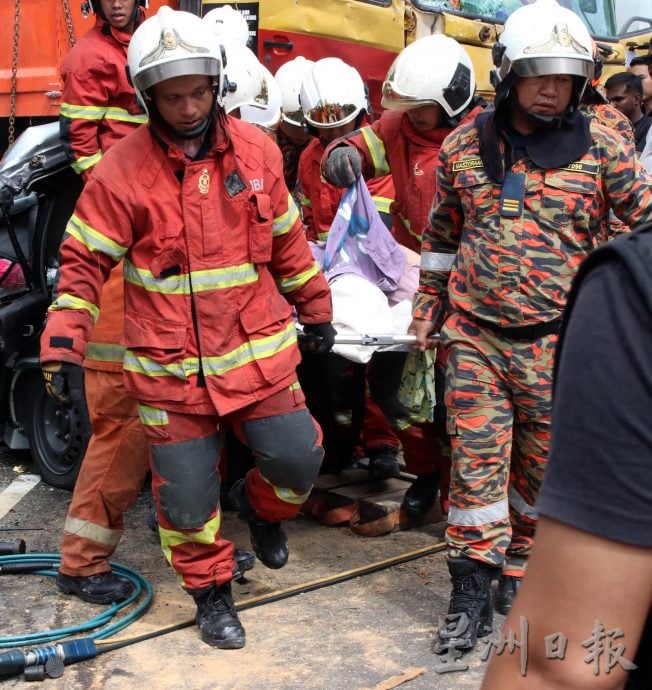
column 430, row 139
column 552, row 147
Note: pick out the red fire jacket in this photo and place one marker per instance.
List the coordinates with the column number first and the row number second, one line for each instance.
column 208, row 262
column 98, row 105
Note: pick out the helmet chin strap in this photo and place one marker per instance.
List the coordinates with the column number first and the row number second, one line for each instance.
column 544, row 120
column 195, row 132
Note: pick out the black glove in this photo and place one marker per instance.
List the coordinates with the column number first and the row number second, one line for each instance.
column 64, row 382
column 343, row 166
column 318, row 337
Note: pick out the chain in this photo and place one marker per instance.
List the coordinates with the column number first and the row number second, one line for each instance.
column 14, row 76
column 69, row 26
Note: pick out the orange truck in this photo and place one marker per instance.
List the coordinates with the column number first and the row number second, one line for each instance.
column 36, row 34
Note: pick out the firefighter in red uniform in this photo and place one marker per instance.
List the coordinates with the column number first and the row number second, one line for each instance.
column 98, row 105
column 522, row 196
column 213, row 249
column 115, row 464
column 334, row 102
column 429, row 89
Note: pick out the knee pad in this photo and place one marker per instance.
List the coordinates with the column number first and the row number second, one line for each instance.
column 190, row 488
column 287, row 454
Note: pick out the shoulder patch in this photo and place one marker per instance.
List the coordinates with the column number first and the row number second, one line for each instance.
column 467, row 164
column 587, row 167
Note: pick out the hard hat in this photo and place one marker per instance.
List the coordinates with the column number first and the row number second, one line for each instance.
column 95, row 7
column 268, row 116
column 228, row 24
column 289, row 77
column 171, row 44
column 245, row 78
column 541, row 39
column 433, row 69
column 332, row 94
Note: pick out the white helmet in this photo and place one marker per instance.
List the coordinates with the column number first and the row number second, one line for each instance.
column 332, row 94
column 228, row 24
column 244, row 78
column 289, row 77
column 170, row 44
column 268, row 116
column 433, row 69
column 540, row 39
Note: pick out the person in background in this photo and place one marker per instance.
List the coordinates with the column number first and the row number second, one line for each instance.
column 641, row 66
column 292, row 136
column 428, row 91
column 595, row 505
column 522, row 196
column 624, row 91
column 98, row 105
column 196, row 207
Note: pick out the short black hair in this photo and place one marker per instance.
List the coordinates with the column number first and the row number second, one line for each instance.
column 631, row 82
column 641, row 60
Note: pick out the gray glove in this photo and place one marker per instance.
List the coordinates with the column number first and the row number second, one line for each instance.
column 343, row 166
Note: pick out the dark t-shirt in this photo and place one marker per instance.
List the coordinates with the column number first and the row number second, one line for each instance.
column 641, row 128
column 599, row 476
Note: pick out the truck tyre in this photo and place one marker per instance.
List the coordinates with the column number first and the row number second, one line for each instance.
column 57, row 435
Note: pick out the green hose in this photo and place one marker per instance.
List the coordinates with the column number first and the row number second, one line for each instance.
column 100, row 623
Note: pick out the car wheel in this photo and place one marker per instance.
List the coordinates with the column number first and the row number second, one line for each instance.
column 58, row 435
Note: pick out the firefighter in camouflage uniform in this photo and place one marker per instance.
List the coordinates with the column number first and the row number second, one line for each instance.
column 522, row 194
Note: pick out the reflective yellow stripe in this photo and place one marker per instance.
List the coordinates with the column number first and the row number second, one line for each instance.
column 382, row 203
column 343, row 419
column 288, row 495
column 66, row 301
column 105, row 352
column 123, row 115
column 377, row 151
column 251, row 351
column 322, row 236
column 152, row 416
column 94, row 240
column 94, row 112
column 171, row 538
column 286, row 285
column 89, row 530
column 85, row 162
column 139, row 364
column 305, row 201
column 296, row 386
column 283, row 223
column 213, row 279
column 246, row 353
column 82, row 112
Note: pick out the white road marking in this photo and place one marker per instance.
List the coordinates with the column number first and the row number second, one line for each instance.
column 18, row 489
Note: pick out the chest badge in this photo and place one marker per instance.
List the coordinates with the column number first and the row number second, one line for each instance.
column 417, row 170
column 204, row 181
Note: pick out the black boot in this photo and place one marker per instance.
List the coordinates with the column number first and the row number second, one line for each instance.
column 508, row 586
column 244, row 561
column 104, row 588
column 420, row 497
column 383, row 463
column 268, row 539
column 470, row 614
column 219, row 625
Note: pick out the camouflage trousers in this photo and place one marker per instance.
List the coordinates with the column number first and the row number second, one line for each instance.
column 498, row 397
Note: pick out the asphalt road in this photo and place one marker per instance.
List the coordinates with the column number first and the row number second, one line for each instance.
column 354, row 635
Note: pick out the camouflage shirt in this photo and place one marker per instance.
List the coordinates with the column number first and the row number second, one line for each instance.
column 516, row 270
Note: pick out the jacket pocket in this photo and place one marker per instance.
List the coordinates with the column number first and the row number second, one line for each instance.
column 271, row 336
column 261, row 238
column 477, row 193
